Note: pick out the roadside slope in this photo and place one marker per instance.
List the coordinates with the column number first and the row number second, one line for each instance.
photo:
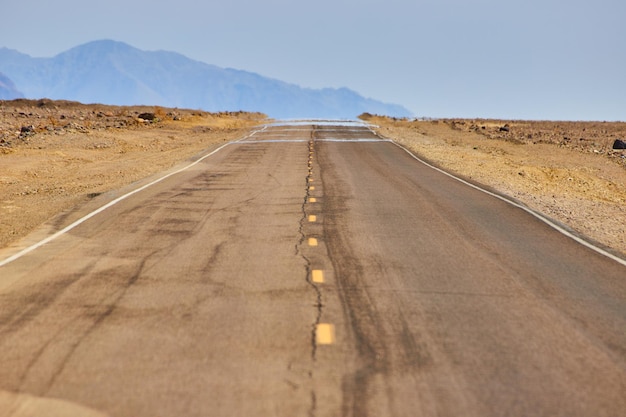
column 55, row 155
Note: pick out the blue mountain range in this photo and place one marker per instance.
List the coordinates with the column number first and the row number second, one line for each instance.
column 8, row 91
column 110, row 72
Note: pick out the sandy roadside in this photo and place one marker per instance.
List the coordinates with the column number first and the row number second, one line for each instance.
column 580, row 186
column 58, row 155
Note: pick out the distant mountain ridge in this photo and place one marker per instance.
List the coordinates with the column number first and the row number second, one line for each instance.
column 111, row 72
column 8, row 91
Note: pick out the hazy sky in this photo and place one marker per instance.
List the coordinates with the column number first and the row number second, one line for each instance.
column 530, row 59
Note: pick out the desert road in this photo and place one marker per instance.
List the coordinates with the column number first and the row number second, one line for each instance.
column 310, row 270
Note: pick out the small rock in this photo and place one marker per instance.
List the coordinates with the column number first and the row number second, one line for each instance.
column 147, row 116
column 26, row 130
column 619, row 144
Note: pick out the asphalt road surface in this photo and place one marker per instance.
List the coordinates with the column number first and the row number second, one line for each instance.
column 310, row 270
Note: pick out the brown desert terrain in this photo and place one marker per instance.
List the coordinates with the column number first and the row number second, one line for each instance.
column 55, row 155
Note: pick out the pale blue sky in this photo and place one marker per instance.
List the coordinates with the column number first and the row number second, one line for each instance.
column 530, row 59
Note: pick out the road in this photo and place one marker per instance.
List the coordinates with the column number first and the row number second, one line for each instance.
column 310, row 270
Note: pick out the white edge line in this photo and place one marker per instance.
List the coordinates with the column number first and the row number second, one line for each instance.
column 526, row 209
column 112, row 203
column 261, row 141
column 353, row 140
column 520, row 206
column 248, row 142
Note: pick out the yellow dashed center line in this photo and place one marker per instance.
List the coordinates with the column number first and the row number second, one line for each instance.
column 325, row 334
column 317, row 276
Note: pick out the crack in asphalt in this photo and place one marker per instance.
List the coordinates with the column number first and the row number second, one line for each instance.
column 318, row 294
column 318, row 302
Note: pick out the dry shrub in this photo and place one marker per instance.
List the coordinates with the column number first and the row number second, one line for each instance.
column 54, row 122
column 160, row 112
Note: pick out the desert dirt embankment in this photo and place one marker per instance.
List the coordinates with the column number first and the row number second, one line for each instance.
column 55, row 155
column 567, row 170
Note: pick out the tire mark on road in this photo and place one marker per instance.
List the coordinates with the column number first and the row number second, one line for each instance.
column 77, row 331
